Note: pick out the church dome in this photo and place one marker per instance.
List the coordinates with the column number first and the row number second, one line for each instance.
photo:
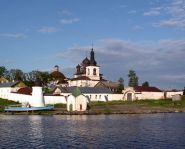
column 57, row 75
column 86, row 62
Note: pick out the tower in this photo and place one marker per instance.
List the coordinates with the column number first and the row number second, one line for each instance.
column 37, row 95
column 93, row 71
column 92, row 59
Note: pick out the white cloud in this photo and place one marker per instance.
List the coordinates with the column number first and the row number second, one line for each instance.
column 123, row 6
column 150, row 59
column 69, row 21
column 47, row 29
column 176, row 15
column 151, row 13
column 66, row 12
column 13, row 35
column 137, row 27
column 132, row 12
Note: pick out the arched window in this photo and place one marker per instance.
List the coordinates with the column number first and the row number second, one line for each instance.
column 94, row 71
column 88, row 71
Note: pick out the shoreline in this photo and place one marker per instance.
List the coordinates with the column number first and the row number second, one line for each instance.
column 57, row 112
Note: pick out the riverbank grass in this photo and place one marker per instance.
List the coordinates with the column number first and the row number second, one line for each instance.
column 148, row 102
column 5, row 102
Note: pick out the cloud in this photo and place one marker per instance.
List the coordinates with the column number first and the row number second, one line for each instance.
column 123, row 6
column 151, row 13
column 176, row 15
column 66, row 12
column 137, row 27
column 13, row 35
column 69, row 21
column 47, row 29
column 132, row 12
column 150, row 60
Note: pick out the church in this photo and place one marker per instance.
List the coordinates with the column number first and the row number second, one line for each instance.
column 87, row 73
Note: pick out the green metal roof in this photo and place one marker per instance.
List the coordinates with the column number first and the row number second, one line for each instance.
column 76, row 92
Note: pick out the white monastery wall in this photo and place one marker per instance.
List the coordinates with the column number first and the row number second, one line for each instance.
column 150, row 95
column 54, row 99
column 20, row 98
column 170, row 94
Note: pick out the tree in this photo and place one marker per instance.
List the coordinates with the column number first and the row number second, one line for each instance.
column 2, row 71
column 120, row 85
column 184, row 91
column 31, row 78
column 145, row 84
column 15, row 75
column 133, row 79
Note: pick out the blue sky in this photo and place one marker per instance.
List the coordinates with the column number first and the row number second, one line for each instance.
column 145, row 35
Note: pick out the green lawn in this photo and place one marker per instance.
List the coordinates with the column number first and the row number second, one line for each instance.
column 149, row 102
column 5, row 102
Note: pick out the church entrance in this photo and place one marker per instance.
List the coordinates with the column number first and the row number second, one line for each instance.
column 70, row 107
column 129, row 96
column 80, row 107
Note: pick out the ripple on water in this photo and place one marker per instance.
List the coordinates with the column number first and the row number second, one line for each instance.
column 99, row 131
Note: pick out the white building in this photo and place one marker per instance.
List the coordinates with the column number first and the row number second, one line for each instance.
column 139, row 92
column 77, row 101
column 92, row 93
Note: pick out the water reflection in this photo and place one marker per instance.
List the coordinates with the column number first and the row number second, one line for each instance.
column 35, row 130
column 99, row 131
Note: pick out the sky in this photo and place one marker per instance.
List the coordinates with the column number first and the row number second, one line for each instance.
column 147, row 36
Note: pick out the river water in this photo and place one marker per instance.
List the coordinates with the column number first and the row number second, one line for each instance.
column 94, row 131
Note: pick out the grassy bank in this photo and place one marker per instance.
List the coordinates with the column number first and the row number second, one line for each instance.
column 139, row 106
column 5, row 102
column 116, row 107
column 148, row 102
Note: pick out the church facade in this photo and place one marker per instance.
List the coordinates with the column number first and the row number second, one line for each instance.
column 87, row 73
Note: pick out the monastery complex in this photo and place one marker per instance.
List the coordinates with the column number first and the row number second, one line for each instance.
column 86, row 85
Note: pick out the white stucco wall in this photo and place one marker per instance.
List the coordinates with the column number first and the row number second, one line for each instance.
column 78, row 103
column 71, row 101
column 20, row 98
column 169, row 94
column 54, row 99
column 90, row 70
column 4, row 92
column 81, row 100
column 83, row 83
column 150, row 95
column 37, row 97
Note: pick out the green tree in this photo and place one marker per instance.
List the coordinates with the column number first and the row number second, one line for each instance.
column 184, row 91
column 120, row 85
column 15, row 75
column 133, row 79
column 145, row 84
column 33, row 76
column 2, row 71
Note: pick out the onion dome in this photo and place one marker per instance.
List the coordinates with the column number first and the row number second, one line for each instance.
column 57, row 75
column 86, row 62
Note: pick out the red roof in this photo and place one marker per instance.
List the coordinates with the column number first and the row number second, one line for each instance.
column 81, row 78
column 146, row 89
column 25, row 90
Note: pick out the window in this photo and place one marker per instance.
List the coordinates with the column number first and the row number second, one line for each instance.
column 95, row 96
column 88, row 71
column 99, row 96
column 94, row 71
